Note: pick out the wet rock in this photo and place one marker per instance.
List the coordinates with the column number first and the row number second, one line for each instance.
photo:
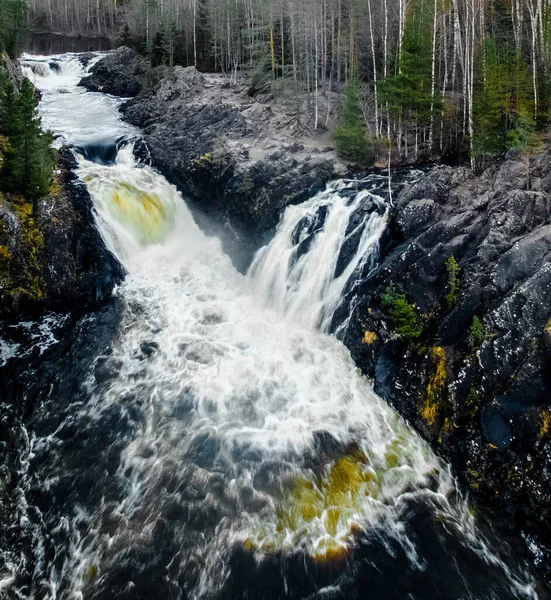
column 203, row 147
column 417, row 215
column 73, row 268
column 148, row 349
column 117, row 74
column 492, row 415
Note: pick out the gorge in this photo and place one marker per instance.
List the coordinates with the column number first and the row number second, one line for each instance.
column 205, row 433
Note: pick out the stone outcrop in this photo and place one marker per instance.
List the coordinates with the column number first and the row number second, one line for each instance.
column 119, row 73
column 477, row 380
column 52, row 254
column 231, row 155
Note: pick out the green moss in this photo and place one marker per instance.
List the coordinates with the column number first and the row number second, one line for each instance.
column 402, row 315
column 453, row 270
column 474, row 478
column 28, row 281
column 5, row 263
column 472, row 402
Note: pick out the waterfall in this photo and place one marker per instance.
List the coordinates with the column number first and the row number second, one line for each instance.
column 224, row 423
column 318, row 247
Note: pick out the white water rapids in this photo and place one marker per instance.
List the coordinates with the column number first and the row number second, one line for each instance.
column 249, row 413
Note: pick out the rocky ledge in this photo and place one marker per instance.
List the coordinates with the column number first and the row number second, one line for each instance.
column 454, row 328
column 119, row 73
column 51, row 255
column 237, row 158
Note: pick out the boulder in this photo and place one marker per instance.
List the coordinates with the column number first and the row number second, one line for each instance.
column 54, row 257
column 117, row 74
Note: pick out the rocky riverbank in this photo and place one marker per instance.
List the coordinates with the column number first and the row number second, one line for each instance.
column 454, row 328
column 52, row 257
column 453, row 325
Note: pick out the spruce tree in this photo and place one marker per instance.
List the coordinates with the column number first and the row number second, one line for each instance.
column 503, row 105
column 350, row 135
column 27, row 163
column 13, row 22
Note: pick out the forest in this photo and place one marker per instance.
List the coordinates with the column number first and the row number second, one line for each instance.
column 432, row 78
column 26, row 158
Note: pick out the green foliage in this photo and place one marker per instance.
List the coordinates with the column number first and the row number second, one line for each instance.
column 5, row 263
column 27, row 163
column 477, row 333
column 350, row 136
column 453, row 269
column 472, row 403
column 261, row 78
column 13, row 25
column 401, row 314
column 503, row 104
column 408, row 93
column 165, row 44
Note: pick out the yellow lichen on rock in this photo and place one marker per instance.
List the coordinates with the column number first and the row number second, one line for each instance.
column 369, row 337
column 545, row 423
column 430, row 408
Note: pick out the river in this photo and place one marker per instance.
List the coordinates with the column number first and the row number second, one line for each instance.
column 203, row 435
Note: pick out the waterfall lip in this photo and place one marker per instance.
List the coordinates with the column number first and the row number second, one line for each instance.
column 103, row 150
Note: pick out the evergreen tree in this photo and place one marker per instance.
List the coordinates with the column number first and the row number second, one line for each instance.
column 13, row 22
column 27, row 162
column 408, row 92
column 350, row 136
column 503, row 105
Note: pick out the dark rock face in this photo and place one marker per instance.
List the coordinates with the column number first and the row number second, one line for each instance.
column 92, row 272
column 484, row 399
column 71, row 267
column 118, row 74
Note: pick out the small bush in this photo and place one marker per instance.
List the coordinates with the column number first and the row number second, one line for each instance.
column 453, row 269
column 477, row 333
column 402, row 315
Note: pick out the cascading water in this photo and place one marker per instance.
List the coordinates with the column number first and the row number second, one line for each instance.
column 220, row 445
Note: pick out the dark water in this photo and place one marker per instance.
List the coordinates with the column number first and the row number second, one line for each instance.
column 50, row 43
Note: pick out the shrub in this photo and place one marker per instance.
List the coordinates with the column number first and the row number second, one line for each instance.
column 401, row 314
column 353, row 144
